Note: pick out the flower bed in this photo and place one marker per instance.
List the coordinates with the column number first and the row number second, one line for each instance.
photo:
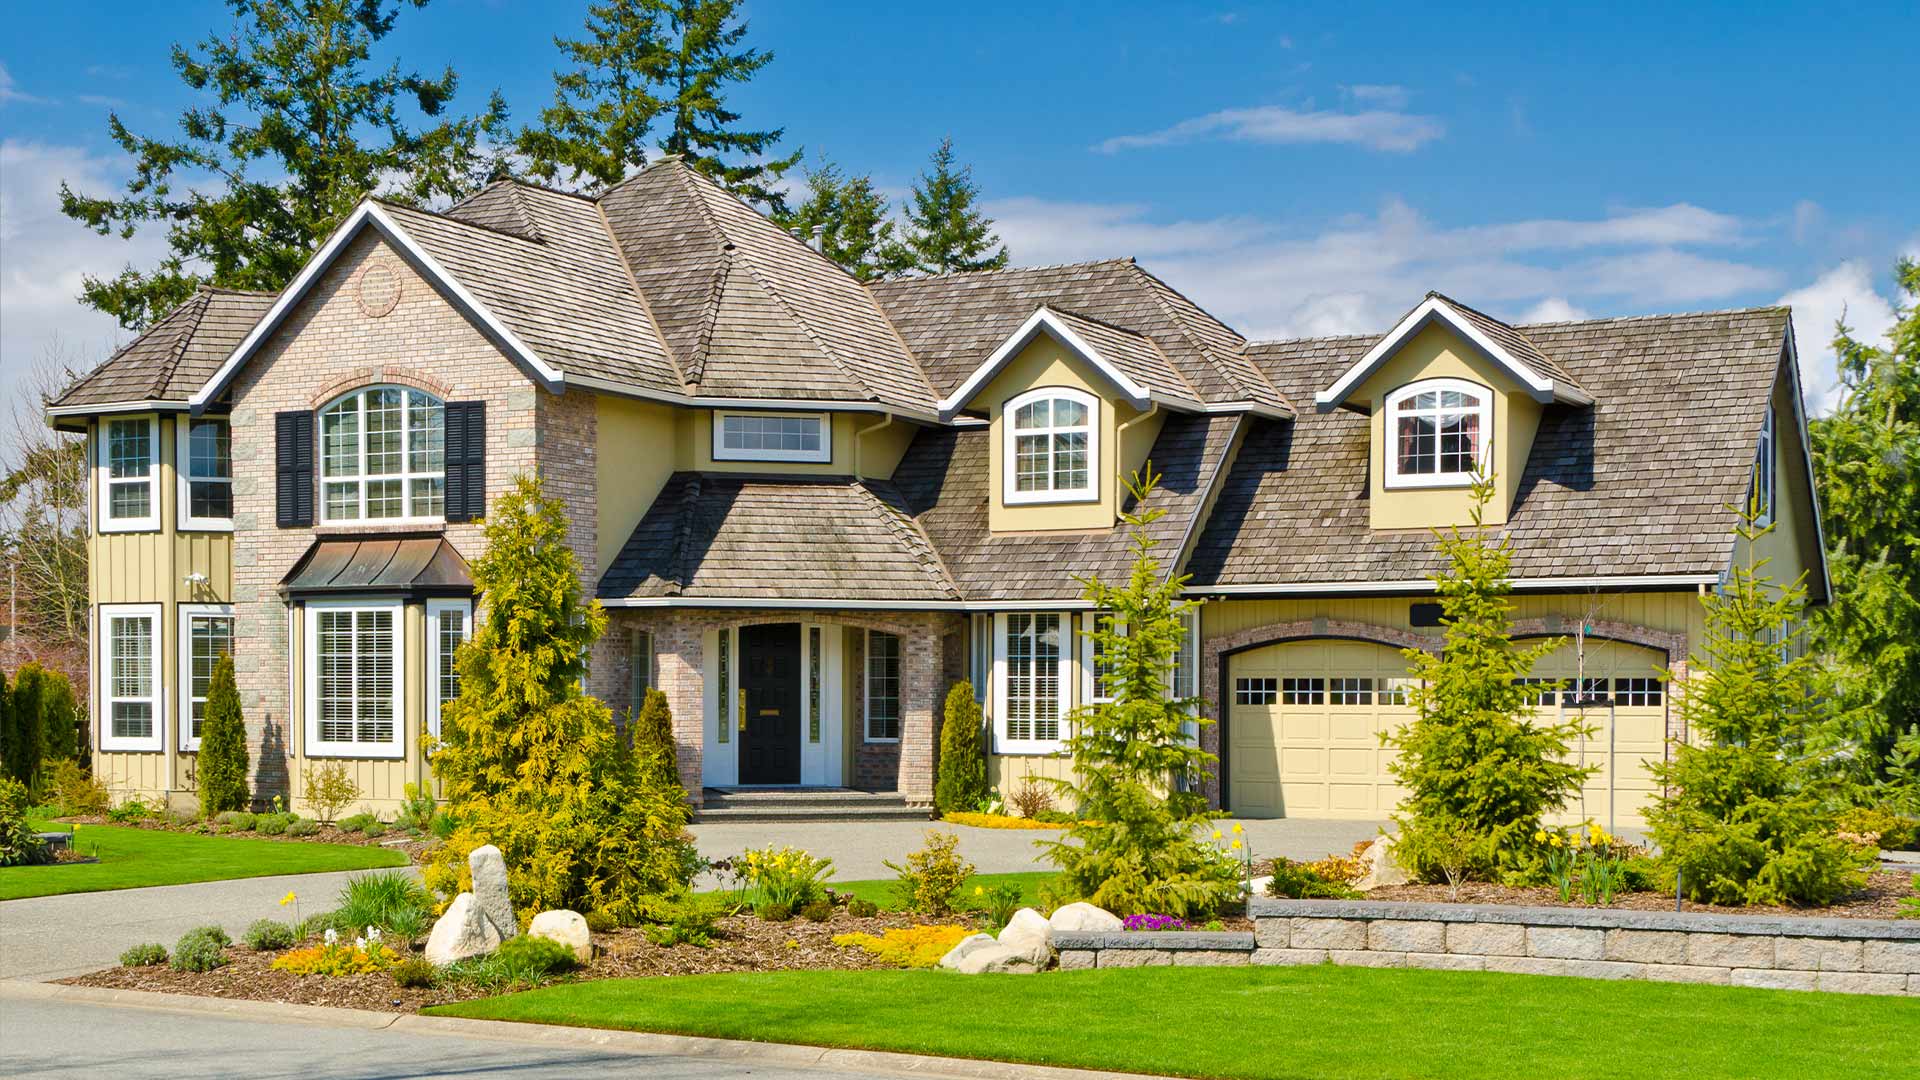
column 998, row 821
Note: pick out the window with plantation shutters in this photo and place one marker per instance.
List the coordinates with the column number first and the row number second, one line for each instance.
column 354, row 676
column 466, row 460
column 293, row 469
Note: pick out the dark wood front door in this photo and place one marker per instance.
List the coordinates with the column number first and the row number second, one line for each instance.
column 770, row 726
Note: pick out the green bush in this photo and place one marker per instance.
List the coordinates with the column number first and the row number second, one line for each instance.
column 133, row 809
column 932, row 875
column 654, row 751
column 962, row 777
column 1910, row 905
column 301, row 826
column 330, row 788
column 416, row 810
column 201, row 949
column 391, row 900
column 60, row 718
column 18, row 845
column 273, row 824
column 817, row 911
column 356, row 822
column 76, row 792
column 152, row 954
column 320, row 922
column 519, row 962
column 268, row 935
column 529, row 763
column 862, row 909
column 373, row 830
column 22, row 735
column 239, row 820
column 1301, row 882
column 773, row 911
column 1891, row 831
column 223, row 762
column 415, row 974
column 689, row 920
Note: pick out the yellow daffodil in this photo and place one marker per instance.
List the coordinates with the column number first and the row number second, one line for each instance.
column 979, row 890
column 1216, row 834
column 1235, row 845
column 1237, row 830
column 288, row 899
column 1557, row 841
column 1540, row 836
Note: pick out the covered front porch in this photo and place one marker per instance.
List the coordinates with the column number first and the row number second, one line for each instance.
column 790, row 700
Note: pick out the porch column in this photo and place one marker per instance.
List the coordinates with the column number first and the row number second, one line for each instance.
column 679, row 665
column 922, row 666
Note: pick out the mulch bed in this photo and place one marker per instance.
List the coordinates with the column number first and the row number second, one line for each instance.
column 1879, row 900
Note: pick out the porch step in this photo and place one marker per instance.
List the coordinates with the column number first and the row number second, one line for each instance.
column 805, row 804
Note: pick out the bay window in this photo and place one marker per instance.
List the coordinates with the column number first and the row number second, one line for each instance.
column 129, row 468
column 205, row 457
column 131, row 709
column 354, row 666
column 1437, row 432
column 206, row 634
column 383, row 456
column 1052, row 447
column 1031, row 683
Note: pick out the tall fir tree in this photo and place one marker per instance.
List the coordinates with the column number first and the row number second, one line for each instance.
column 945, row 232
column 223, row 762
column 22, row 736
column 856, row 231
column 962, row 776
column 301, row 128
column 704, row 58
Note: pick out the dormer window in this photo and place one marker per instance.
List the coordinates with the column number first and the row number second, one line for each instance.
column 1052, row 446
column 1438, row 429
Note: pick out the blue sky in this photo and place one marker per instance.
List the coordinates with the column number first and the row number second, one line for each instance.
column 1296, row 169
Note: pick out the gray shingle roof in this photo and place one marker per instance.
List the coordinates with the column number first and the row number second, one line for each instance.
column 954, row 322
column 945, row 480
column 1515, row 341
column 175, row 356
column 734, row 535
column 1656, row 462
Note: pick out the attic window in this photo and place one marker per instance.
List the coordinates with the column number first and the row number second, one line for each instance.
column 1439, row 430
column 1052, row 446
column 771, row 437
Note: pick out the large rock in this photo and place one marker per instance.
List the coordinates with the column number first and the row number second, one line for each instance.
column 967, row 947
column 1258, row 886
column 1382, row 867
column 1029, row 934
column 490, row 890
column 569, row 928
column 1084, row 917
column 462, row 932
column 998, row 960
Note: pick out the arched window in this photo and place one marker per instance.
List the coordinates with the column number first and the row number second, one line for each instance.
column 1052, row 448
column 1439, row 429
column 383, row 456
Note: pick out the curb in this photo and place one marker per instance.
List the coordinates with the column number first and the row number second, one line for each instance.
column 637, row 1043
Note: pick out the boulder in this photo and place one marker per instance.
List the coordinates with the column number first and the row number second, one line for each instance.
column 490, row 890
column 569, row 928
column 966, row 947
column 1029, row 934
column 462, row 932
column 1258, row 886
column 997, row 960
column 1085, row 918
column 1382, row 867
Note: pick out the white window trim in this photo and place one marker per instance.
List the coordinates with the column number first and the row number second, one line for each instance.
column 634, row 659
column 1765, row 478
column 1009, row 457
column 1390, row 436
column 157, row 693
column 435, row 609
column 184, row 646
column 317, row 747
column 866, row 688
column 104, row 484
column 184, row 480
column 1089, row 622
column 406, row 475
column 1002, row 744
column 820, row 456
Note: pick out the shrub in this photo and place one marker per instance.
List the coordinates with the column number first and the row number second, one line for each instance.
column 22, row 735
column 223, row 762
column 932, row 875
column 817, row 911
column 322, row 921
column 392, row 901
column 338, row 959
column 273, row 824
column 330, row 789
column 240, row 820
column 688, row 920
column 1030, row 799
column 301, row 826
column 201, row 949
column 1889, row 830
column 1138, row 851
column 268, row 935
column 1910, row 905
column 60, row 718
column 152, row 954
column 862, row 909
column 416, row 809
column 132, row 809
column 356, row 822
column 414, row 974
column 1299, row 881
column 527, row 761
column 999, row 821
column 999, row 902
column 908, row 947
column 373, row 830
column 785, row 876
column 600, row 921
column 961, row 782
column 654, row 751
column 76, row 792
column 518, row 962
column 18, row 845
column 773, row 911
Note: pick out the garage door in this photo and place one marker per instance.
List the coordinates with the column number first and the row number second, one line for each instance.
column 1303, row 729
column 1625, row 703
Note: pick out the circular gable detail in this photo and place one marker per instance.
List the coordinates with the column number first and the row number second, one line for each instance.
column 378, row 290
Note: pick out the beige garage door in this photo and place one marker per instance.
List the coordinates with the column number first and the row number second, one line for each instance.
column 1624, row 702
column 1303, row 729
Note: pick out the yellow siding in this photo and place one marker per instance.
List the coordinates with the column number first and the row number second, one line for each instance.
column 695, row 430
column 131, row 774
column 1790, row 548
column 1046, row 362
column 1669, row 612
column 635, row 456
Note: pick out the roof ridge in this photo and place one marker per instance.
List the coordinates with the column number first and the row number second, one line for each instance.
column 639, row 294
column 440, row 216
column 1754, row 310
column 999, row 270
column 178, row 348
column 915, row 537
column 709, row 316
column 1147, row 339
column 637, row 174
column 1155, row 287
column 813, row 335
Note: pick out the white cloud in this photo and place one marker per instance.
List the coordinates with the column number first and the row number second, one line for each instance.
column 1553, row 309
column 1076, row 232
column 1844, row 292
column 1375, row 129
column 1380, row 96
column 10, row 92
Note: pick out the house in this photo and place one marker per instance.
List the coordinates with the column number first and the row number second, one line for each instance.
column 811, row 506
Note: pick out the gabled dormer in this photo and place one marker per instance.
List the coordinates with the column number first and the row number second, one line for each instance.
column 1451, row 393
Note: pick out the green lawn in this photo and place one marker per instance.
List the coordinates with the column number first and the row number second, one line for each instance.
column 1322, row 1022
column 131, row 858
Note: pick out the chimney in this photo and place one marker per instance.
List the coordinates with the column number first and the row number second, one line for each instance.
column 819, row 238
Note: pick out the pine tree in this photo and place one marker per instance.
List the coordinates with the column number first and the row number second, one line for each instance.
column 526, row 760
column 1135, row 851
column 8, row 735
column 857, row 232
column 1744, row 816
column 25, row 737
column 653, row 745
column 962, row 783
column 1480, row 770
column 945, row 232
column 702, row 61
column 59, row 718
column 299, row 132
column 223, row 763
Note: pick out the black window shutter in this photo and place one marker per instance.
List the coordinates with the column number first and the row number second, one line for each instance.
column 466, row 427
column 293, row 469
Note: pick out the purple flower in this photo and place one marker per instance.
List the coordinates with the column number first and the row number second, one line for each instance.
column 1153, row 922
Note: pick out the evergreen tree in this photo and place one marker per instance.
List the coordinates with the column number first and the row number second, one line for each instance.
column 648, row 63
column 299, row 132
column 1135, row 850
column 8, row 735
column 1480, row 769
column 962, row 782
column 59, row 717
column 653, row 745
column 223, row 764
column 24, row 734
column 1744, row 816
column 945, row 232
column 527, row 761
column 857, row 232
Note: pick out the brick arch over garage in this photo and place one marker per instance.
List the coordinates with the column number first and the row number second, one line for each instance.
column 1672, row 645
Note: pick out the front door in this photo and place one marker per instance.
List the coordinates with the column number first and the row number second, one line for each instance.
column 770, row 723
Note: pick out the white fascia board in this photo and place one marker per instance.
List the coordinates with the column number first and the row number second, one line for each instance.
column 1431, row 309
column 1806, row 457
column 1425, row 585
column 1043, row 320
column 746, row 603
column 369, row 213
column 117, row 407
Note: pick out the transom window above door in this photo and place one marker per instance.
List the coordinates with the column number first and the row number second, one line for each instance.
column 1438, row 431
column 772, row 437
column 1052, row 446
column 383, row 456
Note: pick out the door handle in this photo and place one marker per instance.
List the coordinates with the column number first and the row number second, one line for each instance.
column 742, row 725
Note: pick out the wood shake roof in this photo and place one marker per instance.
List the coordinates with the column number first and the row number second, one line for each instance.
column 176, row 355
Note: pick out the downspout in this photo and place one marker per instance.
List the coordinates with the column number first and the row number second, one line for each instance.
column 860, row 434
